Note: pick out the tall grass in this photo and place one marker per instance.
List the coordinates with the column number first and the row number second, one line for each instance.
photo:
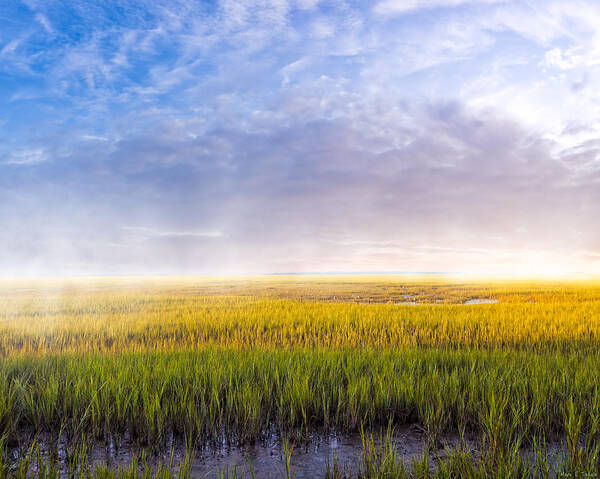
column 202, row 362
column 218, row 393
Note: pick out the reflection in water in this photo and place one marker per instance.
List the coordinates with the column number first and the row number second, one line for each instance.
column 309, row 458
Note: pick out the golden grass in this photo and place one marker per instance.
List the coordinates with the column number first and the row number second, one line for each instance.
column 110, row 315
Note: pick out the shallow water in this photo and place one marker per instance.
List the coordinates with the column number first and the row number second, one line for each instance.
column 439, row 302
column 481, row 301
column 309, row 458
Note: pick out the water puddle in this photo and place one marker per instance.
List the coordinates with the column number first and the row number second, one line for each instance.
column 309, row 458
column 438, row 302
column 481, row 301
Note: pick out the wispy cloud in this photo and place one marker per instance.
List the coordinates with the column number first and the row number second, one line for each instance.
column 43, row 20
column 403, row 6
column 26, row 157
column 144, row 232
column 285, row 135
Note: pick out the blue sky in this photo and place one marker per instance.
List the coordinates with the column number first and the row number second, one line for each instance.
column 261, row 136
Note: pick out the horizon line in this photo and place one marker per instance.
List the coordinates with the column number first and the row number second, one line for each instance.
column 302, row 273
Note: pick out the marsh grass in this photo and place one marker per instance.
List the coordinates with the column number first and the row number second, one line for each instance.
column 220, row 394
column 212, row 363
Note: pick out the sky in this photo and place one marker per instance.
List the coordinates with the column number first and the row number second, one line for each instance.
column 264, row 136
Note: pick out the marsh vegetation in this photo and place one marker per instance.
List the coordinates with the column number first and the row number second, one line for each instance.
column 506, row 389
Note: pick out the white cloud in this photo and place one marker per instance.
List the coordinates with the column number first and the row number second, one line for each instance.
column 94, row 138
column 573, row 58
column 43, row 20
column 386, row 7
column 27, row 157
column 10, row 47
